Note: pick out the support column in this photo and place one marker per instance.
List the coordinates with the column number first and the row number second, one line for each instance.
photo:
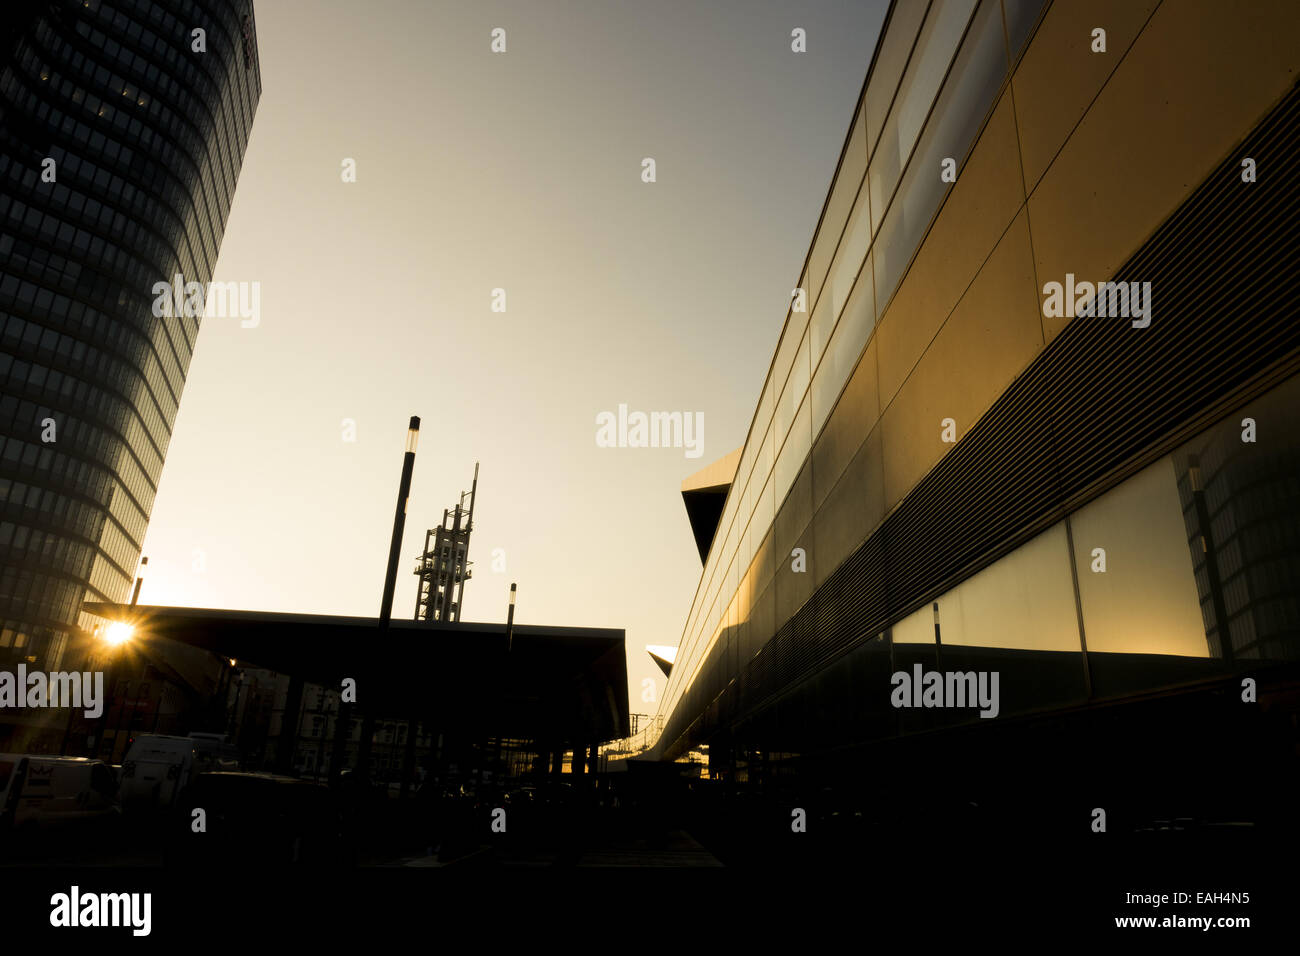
column 342, row 731
column 363, row 746
column 408, row 757
column 288, row 741
column 557, row 763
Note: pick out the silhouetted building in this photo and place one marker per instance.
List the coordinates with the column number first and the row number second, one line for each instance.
column 485, row 708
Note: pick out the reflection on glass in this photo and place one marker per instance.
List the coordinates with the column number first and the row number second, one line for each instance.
column 781, row 370
column 1025, row 600
column 967, row 95
column 1021, row 15
column 733, row 585
column 943, row 30
column 1241, row 510
column 846, row 347
column 763, row 461
column 819, row 329
column 800, row 373
column 900, row 34
column 848, row 262
column 853, row 166
column 793, row 454
column 1145, row 601
column 725, row 550
column 792, row 394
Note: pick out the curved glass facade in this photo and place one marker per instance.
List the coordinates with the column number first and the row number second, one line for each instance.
column 120, row 148
column 936, row 74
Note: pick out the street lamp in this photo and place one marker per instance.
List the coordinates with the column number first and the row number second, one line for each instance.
column 399, row 522
column 386, row 604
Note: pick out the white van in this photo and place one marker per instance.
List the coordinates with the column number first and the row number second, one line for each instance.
column 155, row 769
column 40, row 790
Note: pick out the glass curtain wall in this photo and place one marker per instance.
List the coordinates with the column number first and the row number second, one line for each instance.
column 937, row 72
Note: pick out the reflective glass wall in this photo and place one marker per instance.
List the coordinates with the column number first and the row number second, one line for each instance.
column 923, row 307
column 937, row 72
column 1188, row 570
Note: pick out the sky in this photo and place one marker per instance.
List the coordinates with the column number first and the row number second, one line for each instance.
column 520, row 171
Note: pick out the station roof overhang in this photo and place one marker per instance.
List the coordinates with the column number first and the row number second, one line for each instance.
column 564, row 684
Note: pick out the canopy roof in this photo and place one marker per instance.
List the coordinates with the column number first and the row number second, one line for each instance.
column 552, row 683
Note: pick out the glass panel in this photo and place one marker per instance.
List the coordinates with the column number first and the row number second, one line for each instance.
column 1239, row 505
column 1012, row 633
column 845, row 349
column 801, row 373
column 896, row 45
column 934, row 50
column 1021, row 15
column 726, row 524
column 764, row 413
column 962, row 107
column 1025, row 600
column 747, row 503
column 845, row 188
column 847, row 265
column 1145, row 601
column 781, row 367
column 765, row 513
column 793, row 394
column 710, row 569
column 733, row 585
column 757, row 471
column 745, row 466
column 793, row 454
column 724, row 551
column 819, row 329
column 765, row 460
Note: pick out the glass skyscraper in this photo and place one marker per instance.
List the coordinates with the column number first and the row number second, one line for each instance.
column 123, row 126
